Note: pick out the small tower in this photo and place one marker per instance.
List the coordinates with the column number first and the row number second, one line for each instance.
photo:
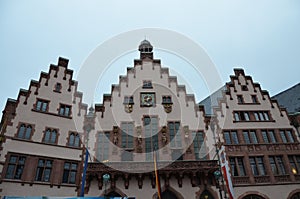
column 145, row 49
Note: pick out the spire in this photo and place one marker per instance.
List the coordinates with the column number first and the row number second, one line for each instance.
column 145, row 49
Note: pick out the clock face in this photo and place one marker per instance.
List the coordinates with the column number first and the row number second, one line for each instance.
column 147, row 99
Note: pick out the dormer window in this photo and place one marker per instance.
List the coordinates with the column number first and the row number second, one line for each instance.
column 244, row 88
column 128, row 100
column 64, row 110
column 42, row 105
column 57, row 87
column 167, row 100
column 254, row 99
column 147, row 84
column 240, row 99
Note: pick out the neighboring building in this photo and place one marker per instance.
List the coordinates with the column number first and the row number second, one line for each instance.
column 147, row 117
column 261, row 144
column 41, row 151
column 290, row 99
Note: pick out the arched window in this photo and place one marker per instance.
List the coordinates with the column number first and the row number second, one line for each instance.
column 74, row 140
column 296, row 196
column 28, row 132
column 21, row 131
column 50, row 136
column 253, row 196
column 24, row 131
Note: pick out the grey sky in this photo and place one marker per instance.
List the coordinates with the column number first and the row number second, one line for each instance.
column 260, row 36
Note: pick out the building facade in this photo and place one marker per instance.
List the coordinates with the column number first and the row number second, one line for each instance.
column 147, row 120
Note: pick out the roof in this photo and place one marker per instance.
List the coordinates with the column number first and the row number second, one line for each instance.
column 290, row 99
column 212, row 100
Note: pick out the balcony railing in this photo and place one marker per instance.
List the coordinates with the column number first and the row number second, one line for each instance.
column 262, row 179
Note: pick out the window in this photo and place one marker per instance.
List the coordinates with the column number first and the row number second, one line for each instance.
column 236, row 116
column 286, row 136
column 295, row 163
column 227, row 138
column 290, row 136
column 253, row 137
column 268, row 136
column 24, row 131
column 240, row 99
column 175, row 135
column 65, row 110
column 231, row 137
column 272, row 136
column 43, row 172
column 167, row 100
column 151, row 136
column 244, row 88
column 70, row 170
column 284, row 139
column 265, row 136
column 147, row 84
column 127, row 134
column 261, row 116
column 242, row 116
column 74, row 140
column 42, row 105
column 234, row 137
column 237, row 166
column 199, row 146
column 246, row 137
column 128, row 100
column 257, row 166
column 254, row 99
column 246, row 116
column 277, row 165
column 57, row 87
column 50, row 136
column 15, row 167
column 102, row 146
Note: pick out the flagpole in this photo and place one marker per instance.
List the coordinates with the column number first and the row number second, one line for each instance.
column 84, row 172
column 157, row 180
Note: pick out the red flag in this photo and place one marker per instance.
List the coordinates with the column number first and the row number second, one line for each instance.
column 226, row 172
column 157, row 180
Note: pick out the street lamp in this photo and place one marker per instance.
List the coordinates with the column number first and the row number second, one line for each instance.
column 106, row 178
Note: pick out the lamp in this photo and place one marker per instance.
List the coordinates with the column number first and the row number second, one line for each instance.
column 106, row 178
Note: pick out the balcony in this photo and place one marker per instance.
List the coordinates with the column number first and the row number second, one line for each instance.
column 262, row 179
column 241, row 180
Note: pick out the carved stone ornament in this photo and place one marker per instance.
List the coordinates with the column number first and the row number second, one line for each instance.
column 115, row 131
column 168, row 107
column 139, row 134
column 128, row 108
column 186, row 132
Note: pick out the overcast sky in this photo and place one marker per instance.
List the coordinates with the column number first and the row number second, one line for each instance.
column 260, row 36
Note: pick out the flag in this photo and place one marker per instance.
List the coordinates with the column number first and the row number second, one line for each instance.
column 226, row 172
column 157, row 180
column 84, row 172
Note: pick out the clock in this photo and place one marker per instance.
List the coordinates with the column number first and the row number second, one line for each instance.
column 147, row 99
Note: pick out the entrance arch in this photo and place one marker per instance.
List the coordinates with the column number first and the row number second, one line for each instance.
column 167, row 194
column 115, row 192
column 206, row 195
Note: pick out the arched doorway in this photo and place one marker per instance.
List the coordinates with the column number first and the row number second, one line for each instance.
column 296, row 196
column 167, row 194
column 112, row 194
column 206, row 195
column 253, row 196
